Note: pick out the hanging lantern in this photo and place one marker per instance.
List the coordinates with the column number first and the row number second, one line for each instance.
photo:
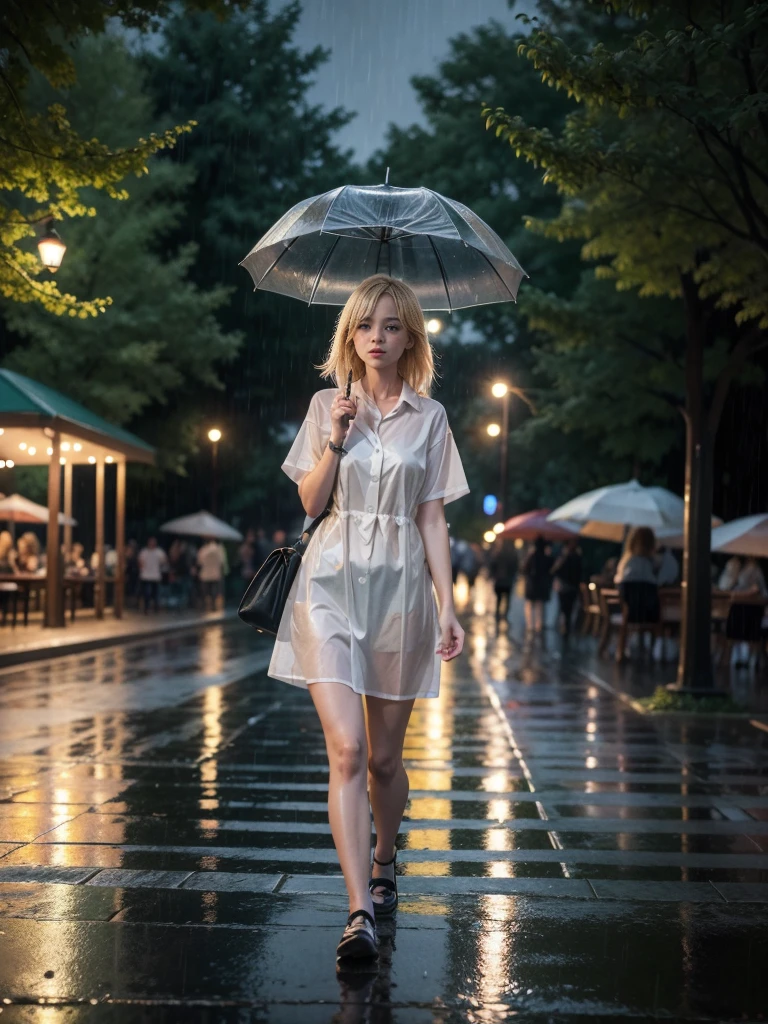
column 51, row 249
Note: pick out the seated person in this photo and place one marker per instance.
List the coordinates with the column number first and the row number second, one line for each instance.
column 730, row 575
column 751, row 579
column 636, row 577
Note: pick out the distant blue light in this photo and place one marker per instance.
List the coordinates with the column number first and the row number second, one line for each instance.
column 490, row 504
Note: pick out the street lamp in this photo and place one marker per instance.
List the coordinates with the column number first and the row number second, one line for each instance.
column 214, row 436
column 493, row 429
column 51, row 249
column 434, row 326
column 501, row 390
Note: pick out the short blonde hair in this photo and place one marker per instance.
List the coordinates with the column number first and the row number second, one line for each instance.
column 416, row 365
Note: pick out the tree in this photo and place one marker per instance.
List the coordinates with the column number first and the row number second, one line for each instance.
column 259, row 148
column 455, row 156
column 662, row 166
column 44, row 161
column 145, row 362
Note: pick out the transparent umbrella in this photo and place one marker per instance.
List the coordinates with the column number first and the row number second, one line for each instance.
column 323, row 247
column 201, row 524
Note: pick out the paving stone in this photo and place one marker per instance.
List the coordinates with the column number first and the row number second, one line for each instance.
column 126, row 878
column 743, row 892
column 426, row 884
column 678, row 892
column 43, row 873
column 55, row 901
column 231, row 881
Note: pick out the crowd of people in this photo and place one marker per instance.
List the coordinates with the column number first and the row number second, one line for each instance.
column 547, row 569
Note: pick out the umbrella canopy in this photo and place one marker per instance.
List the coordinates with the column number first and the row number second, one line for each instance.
column 322, row 248
column 607, row 512
column 531, row 525
column 201, row 524
column 17, row 509
column 747, row 536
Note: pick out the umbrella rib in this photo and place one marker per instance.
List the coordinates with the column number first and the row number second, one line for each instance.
column 442, row 273
column 490, row 264
column 274, row 263
column 323, row 265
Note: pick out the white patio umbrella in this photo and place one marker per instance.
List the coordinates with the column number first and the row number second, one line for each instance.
column 201, row 524
column 746, row 536
column 608, row 512
column 18, row 509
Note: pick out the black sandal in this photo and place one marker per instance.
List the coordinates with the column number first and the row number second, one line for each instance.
column 388, row 905
column 358, row 942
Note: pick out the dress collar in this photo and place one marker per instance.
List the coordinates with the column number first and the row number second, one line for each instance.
column 406, row 395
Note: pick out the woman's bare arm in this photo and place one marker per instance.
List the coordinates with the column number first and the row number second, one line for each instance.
column 315, row 488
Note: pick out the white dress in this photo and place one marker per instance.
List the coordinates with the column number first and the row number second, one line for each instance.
column 362, row 610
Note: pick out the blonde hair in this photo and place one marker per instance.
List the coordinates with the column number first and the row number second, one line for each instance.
column 416, row 364
column 6, row 543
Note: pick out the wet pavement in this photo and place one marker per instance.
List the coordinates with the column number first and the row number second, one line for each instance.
column 165, row 854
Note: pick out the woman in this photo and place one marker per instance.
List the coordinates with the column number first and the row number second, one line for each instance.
column 537, row 570
column 567, row 570
column 7, row 553
column 636, row 564
column 358, row 626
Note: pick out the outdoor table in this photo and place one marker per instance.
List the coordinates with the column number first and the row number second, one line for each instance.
column 30, row 583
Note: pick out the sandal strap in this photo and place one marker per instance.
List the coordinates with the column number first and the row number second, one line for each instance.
column 382, row 883
column 384, row 863
column 361, row 913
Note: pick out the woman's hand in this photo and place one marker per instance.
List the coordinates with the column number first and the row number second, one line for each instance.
column 451, row 635
column 342, row 413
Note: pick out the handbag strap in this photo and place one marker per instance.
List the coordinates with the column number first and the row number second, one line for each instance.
column 301, row 543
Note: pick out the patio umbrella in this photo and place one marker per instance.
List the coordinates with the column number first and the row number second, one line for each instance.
column 531, row 525
column 201, row 524
column 17, row 509
column 608, row 512
column 747, row 536
column 323, row 247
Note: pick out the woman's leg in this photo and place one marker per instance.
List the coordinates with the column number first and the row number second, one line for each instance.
column 343, row 721
column 387, row 779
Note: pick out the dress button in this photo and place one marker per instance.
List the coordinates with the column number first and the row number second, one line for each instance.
column 369, row 508
column 375, row 477
column 361, row 579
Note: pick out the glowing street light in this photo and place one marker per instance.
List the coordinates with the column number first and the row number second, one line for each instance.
column 214, row 436
column 434, row 326
column 498, row 528
column 51, row 249
column 489, row 536
column 493, row 429
column 499, row 389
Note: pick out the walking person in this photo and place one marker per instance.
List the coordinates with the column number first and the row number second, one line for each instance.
column 567, row 572
column 211, row 569
column 361, row 628
column 503, row 566
column 153, row 562
column 537, row 570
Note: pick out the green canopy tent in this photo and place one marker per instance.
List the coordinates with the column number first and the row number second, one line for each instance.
column 40, row 426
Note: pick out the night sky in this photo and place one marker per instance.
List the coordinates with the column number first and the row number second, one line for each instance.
column 377, row 47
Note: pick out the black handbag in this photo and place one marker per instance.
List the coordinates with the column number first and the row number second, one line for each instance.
column 264, row 600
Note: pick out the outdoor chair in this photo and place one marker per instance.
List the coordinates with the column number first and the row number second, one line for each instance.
column 9, row 594
column 590, row 607
column 636, row 610
column 743, row 625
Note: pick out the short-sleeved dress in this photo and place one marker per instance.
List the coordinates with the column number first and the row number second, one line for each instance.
column 361, row 610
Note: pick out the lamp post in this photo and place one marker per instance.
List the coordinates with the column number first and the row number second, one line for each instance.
column 501, row 390
column 51, row 249
column 214, row 436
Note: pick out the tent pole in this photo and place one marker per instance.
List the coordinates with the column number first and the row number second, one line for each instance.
column 100, row 574
column 54, row 603
column 120, row 540
column 68, row 508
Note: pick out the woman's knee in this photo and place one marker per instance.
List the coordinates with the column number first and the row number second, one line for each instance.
column 384, row 766
column 347, row 755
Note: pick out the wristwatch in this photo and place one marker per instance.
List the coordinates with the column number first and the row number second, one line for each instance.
column 338, row 448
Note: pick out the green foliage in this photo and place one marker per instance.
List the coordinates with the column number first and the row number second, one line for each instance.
column 160, row 342
column 45, row 163
column 663, row 699
column 663, row 163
